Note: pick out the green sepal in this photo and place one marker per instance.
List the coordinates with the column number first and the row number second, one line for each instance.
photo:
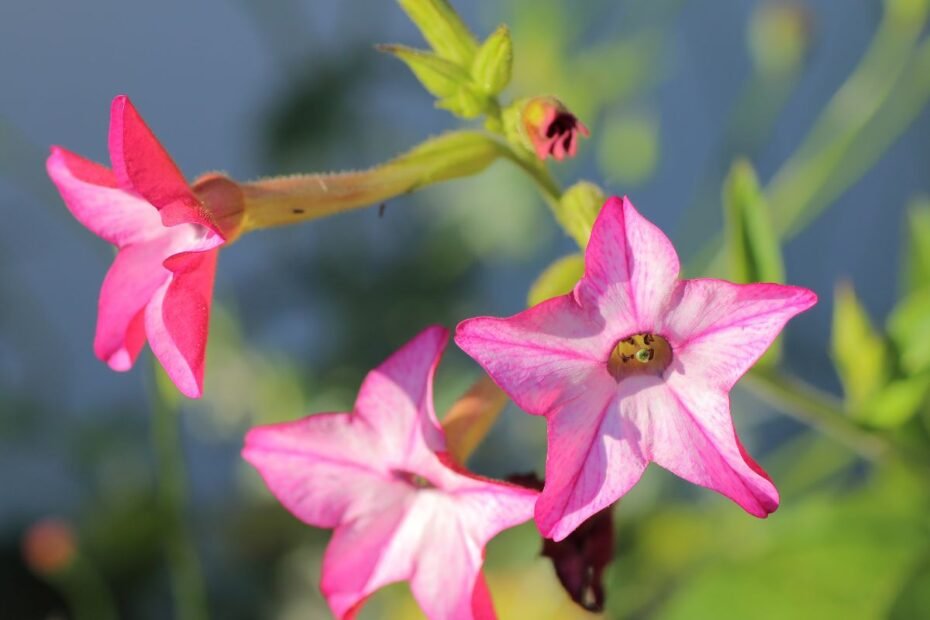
column 859, row 352
column 577, row 210
column 439, row 76
column 558, row 278
column 443, row 29
column 493, row 63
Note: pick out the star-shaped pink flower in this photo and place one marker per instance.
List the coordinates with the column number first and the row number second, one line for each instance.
column 160, row 285
column 635, row 366
column 402, row 511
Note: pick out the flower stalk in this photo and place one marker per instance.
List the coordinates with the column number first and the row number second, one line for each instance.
column 280, row 201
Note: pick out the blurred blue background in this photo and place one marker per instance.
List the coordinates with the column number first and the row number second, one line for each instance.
column 672, row 92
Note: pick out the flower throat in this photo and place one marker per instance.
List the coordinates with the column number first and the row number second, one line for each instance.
column 640, row 354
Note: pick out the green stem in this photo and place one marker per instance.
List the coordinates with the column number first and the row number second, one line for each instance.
column 814, row 407
column 183, row 563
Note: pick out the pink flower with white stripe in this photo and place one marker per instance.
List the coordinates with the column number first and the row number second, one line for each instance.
column 635, row 366
column 380, row 476
column 159, row 287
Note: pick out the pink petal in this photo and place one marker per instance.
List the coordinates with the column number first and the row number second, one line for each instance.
column 141, row 164
column 691, row 434
column 630, row 269
column 135, row 276
column 482, row 605
column 718, row 329
column 325, row 468
column 594, row 457
column 90, row 193
column 397, row 397
column 177, row 319
column 372, row 550
column 542, row 357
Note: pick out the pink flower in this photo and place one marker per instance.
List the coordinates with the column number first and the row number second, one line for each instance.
column 160, row 285
column 634, row 366
column 551, row 128
column 402, row 511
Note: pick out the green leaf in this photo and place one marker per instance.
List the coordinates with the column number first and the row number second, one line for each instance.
column 439, row 76
column 858, row 351
column 909, row 327
column 917, row 262
column 559, row 278
column 755, row 255
column 443, row 29
column 752, row 244
column 896, row 403
column 577, row 210
column 493, row 63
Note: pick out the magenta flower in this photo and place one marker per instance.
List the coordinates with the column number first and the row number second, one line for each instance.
column 402, row 511
column 634, row 366
column 160, row 285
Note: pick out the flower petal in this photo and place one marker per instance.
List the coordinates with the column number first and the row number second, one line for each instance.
column 91, row 194
column 448, row 567
column 397, row 397
column 692, row 435
column 135, row 276
column 718, row 329
column 594, row 457
column 177, row 319
column 542, row 357
column 324, row 468
column 141, row 164
column 630, row 268
column 370, row 551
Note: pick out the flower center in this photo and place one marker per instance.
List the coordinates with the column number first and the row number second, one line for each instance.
column 415, row 480
column 640, row 354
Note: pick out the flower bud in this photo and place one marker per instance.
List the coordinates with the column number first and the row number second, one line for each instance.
column 493, row 62
column 545, row 126
column 779, row 37
column 49, row 547
column 580, row 559
column 577, row 210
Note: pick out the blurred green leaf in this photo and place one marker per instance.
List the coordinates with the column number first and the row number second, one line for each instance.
column 914, row 599
column 628, row 150
column 858, row 350
column 909, row 327
column 558, row 279
column 755, row 255
column 753, row 249
column 492, row 66
column 917, row 261
column 896, row 403
column 828, row 556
